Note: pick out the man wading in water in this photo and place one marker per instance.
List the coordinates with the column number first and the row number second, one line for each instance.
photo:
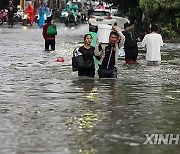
column 153, row 42
column 109, row 53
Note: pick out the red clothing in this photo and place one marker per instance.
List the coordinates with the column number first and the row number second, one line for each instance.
column 45, row 35
column 100, row 7
column 30, row 11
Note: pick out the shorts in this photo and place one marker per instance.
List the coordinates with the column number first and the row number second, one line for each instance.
column 131, row 53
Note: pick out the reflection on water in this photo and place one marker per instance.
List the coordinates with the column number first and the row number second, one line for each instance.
column 46, row 108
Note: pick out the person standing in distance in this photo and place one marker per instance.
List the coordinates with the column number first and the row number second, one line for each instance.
column 11, row 11
column 130, row 44
column 49, row 39
column 153, row 43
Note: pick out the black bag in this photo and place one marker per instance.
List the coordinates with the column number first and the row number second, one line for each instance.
column 74, row 64
column 80, row 60
column 130, row 38
column 77, row 61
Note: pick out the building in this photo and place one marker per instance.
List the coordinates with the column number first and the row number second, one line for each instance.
column 4, row 3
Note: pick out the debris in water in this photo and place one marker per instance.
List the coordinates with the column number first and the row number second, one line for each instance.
column 60, row 60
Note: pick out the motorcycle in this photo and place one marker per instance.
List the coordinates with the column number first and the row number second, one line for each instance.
column 18, row 16
column 1, row 21
column 26, row 19
column 63, row 15
column 78, row 17
column 70, row 18
column 3, row 16
column 84, row 18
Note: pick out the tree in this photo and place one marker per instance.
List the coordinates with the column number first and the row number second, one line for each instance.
column 151, row 7
column 165, row 12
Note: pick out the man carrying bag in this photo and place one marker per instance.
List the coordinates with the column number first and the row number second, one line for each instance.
column 49, row 32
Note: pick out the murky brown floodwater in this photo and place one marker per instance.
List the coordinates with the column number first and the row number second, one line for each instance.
column 45, row 108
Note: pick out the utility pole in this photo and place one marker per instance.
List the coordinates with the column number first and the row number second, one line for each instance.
column 22, row 3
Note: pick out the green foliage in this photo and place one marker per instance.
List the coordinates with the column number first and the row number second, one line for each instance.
column 166, row 12
column 167, row 30
column 154, row 6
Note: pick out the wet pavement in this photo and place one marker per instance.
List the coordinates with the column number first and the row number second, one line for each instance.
column 45, row 108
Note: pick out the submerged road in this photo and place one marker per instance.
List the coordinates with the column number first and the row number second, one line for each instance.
column 45, row 108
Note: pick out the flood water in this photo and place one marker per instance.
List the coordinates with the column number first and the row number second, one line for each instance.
column 45, row 108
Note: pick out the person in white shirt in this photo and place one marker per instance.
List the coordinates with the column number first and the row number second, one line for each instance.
column 153, row 43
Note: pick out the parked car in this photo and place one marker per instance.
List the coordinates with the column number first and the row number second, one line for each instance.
column 101, row 16
column 120, row 20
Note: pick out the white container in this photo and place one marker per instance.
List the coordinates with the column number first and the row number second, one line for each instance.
column 103, row 33
column 121, row 52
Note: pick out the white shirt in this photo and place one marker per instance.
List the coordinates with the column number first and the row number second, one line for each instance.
column 153, row 43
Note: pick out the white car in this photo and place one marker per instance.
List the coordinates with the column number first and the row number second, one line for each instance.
column 119, row 19
column 101, row 16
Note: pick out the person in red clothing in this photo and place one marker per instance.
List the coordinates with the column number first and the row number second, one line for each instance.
column 30, row 11
column 49, row 39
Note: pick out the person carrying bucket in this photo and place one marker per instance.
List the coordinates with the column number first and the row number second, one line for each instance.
column 108, row 54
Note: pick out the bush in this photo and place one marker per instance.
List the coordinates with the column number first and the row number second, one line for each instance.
column 167, row 31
